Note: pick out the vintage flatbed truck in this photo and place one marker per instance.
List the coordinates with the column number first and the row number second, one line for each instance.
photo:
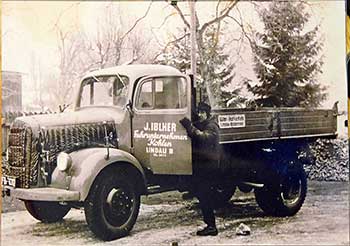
column 124, row 140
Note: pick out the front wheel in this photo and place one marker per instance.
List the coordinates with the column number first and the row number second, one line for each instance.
column 112, row 206
column 287, row 199
column 47, row 212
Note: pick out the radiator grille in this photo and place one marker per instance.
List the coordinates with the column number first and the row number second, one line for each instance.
column 70, row 138
column 22, row 157
column 24, row 148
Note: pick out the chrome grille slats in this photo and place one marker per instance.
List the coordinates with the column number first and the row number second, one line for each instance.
column 76, row 135
column 80, row 134
column 69, row 138
column 57, row 143
column 16, row 156
column 23, row 157
column 64, row 140
column 16, row 138
column 28, row 156
column 17, row 172
column 98, row 132
column 87, row 135
column 93, row 133
column 34, row 162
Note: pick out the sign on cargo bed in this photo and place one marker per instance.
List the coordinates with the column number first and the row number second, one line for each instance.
column 231, row 121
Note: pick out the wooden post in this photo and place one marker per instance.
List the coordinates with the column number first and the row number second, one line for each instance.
column 193, row 27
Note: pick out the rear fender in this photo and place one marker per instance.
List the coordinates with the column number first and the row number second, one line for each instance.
column 88, row 163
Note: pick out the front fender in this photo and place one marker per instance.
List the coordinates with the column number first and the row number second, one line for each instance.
column 87, row 164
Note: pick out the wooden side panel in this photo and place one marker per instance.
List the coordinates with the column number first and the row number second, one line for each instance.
column 246, row 125
column 257, row 124
column 303, row 122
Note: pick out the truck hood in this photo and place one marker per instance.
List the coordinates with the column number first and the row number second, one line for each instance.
column 82, row 116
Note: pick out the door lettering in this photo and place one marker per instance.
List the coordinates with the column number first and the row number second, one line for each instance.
column 160, row 137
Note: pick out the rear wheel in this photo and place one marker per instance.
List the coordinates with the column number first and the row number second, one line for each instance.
column 47, row 212
column 112, row 206
column 287, row 198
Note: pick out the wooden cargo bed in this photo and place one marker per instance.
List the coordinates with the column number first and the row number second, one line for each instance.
column 243, row 125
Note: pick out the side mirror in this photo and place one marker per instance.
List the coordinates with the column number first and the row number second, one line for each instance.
column 128, row 107
column 346, row 123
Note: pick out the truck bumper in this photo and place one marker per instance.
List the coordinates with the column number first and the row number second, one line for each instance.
column 43, row 194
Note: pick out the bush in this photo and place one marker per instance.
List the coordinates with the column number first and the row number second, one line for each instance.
column 330, row 160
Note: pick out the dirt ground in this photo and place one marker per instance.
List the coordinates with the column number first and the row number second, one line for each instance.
column 166, row 219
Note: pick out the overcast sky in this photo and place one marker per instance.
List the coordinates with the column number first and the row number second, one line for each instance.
column 27, row 28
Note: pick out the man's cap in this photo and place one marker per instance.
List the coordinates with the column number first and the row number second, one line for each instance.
column 204, row 107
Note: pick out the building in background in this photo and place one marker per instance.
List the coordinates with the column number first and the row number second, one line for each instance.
column 11, row 101
column 11, row 91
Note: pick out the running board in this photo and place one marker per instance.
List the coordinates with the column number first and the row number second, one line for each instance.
column 256, row 185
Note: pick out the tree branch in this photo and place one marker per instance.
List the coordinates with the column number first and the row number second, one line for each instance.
column 217, row 8
column 242, row 28
column 164, row 21
column 169, row 43
column 181, row 15
column 224, row 13
column 137, row 21
column 63, row 12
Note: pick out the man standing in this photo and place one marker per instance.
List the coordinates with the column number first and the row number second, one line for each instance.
column 205, row 146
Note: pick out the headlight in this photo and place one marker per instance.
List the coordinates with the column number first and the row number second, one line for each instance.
column 64, row 161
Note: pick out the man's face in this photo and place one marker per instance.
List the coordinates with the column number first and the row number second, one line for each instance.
column 202, row 115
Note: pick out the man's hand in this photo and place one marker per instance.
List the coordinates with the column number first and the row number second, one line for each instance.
column 186, row 123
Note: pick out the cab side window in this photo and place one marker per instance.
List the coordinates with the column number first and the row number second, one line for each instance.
column 145, row 100
column 163, row 93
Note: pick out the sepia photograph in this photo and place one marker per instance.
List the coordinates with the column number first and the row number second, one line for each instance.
column 175, row 122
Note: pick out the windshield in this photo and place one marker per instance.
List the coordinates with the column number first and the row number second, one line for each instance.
column 104, row 90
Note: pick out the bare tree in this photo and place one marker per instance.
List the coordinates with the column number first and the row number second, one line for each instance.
column 106, row 48
column 78, row 53
column 70, row 47
column 222, row 11
column 36, row 76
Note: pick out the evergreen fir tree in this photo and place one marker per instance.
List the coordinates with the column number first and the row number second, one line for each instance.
column 287, row 58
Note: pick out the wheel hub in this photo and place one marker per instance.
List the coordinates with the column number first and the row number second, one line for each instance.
column 291, row 191
column 118, row 205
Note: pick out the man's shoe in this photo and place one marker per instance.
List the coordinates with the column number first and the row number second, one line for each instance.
column 208, row 231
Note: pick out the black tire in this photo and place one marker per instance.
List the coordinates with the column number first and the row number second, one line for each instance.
column 47, row 212
column 286, row 199
column 222, row 195
column 112, row 206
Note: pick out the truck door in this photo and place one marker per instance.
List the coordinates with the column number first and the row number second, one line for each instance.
column 160, row 142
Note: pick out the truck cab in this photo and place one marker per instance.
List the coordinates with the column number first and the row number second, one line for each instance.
column 151, row 107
